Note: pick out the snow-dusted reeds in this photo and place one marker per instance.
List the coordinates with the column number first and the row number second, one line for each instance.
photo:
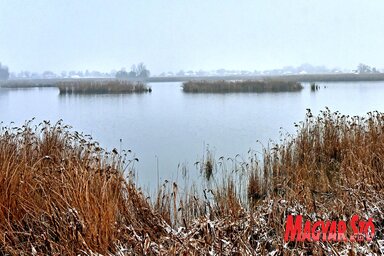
column 61, row 194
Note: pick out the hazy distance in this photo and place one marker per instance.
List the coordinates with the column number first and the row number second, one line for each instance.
column 189, row 35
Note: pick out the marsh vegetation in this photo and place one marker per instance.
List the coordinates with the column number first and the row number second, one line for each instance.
column 241, row 86
column 82, row 86
column 102, row 87
column 314, row 87
column 63, row 194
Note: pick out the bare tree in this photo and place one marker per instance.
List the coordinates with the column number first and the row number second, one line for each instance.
column 142, row 71
column 362, row 68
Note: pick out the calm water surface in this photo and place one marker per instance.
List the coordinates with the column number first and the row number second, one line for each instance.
column 168, row 127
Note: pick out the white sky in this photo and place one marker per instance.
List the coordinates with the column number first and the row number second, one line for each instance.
column 190, row 35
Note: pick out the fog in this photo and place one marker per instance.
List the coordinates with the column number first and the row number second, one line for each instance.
column 189, row 35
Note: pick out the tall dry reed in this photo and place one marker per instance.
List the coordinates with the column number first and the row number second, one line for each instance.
column 61, row 194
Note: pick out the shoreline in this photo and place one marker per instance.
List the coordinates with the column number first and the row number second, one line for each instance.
column 307, row 78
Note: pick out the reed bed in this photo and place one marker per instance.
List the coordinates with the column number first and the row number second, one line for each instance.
column 64, row 195
column 241, row 86
column 332, row 169
column 102, row 87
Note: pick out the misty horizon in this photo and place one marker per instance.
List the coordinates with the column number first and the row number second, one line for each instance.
column 172, row 36
column 303, row 68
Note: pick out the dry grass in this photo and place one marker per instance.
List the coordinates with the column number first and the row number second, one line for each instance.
column 63, row 195
column 332, row 169
column 101, row 87
column 332, row 153
column 270, row 85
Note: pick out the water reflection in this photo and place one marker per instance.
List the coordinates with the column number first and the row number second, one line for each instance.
column 168, row 127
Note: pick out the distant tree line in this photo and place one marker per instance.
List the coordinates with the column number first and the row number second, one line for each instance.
column 364, row 69
column 139, row 71
column 4, row 72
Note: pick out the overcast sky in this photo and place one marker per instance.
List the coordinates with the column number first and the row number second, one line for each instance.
column 190, row 35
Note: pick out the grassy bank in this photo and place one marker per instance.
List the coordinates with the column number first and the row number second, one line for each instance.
column 28, row 83
column 102, row 87
column 62, row 194
column 241, row 86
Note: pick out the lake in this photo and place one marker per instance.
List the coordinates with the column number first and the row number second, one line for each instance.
column 168, row 128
